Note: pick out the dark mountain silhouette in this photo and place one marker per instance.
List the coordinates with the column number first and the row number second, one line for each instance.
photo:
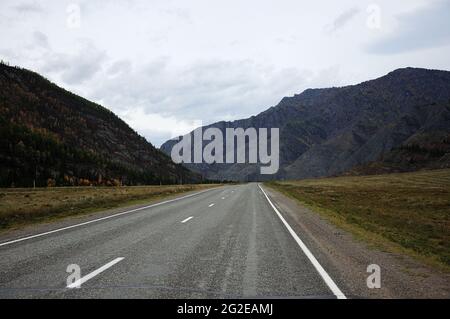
column 398, row 122
column 49, row 136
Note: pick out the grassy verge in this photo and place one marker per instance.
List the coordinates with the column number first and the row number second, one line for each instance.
column 409, row 212
column 26, row 206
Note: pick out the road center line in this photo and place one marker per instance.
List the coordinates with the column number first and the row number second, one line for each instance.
column 330, row 283
column 103, row 218
column 187, row 219
column 211, row 205
column 82, row 280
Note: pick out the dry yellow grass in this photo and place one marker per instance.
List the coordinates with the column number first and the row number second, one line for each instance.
column 411, row 210
column 24, row 206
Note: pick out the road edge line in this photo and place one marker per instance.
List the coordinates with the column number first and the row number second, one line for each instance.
column 326, row 278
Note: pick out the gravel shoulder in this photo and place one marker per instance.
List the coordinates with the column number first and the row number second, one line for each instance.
column 346, row 258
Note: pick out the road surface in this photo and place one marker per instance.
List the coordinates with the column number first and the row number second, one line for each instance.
column 227, row 242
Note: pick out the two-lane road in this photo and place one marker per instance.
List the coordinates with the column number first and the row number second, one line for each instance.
column 225, row 242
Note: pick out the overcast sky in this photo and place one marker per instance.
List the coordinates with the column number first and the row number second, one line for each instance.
column 167, row 66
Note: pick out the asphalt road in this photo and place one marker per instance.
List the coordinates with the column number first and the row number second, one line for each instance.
column 227, row 242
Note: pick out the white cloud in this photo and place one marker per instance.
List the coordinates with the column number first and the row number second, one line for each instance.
column 165, row 64
column 161, row 128
column 342, row 20
column 28, row 7
column 424, row 28
column 76, row 67
column 40, row 40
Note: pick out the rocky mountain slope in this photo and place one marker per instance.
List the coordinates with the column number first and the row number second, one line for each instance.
column 49, row 136
column 400, row 121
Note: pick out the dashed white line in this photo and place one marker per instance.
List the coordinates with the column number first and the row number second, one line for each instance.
column 211, row 205
column 330, row 283
column 82, row 280
column 223, row 197
column 103, row 218
column 187, row 219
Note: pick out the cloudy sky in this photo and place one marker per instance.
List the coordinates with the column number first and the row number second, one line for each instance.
column 167, row 66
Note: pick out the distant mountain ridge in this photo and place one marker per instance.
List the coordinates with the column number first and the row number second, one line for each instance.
column 325, row 132
column 49, row 136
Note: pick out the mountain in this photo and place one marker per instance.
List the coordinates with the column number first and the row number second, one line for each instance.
column 49, row 136
column 424, row 150
column 398, row 122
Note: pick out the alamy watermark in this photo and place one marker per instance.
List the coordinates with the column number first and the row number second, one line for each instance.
column 73, row 20
column 73, row 280
column 241, row 146
column 373, row 21
column 374, row 279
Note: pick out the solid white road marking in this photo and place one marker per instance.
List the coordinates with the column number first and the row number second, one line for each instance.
column 185, row 220
column 103, row 218
column 330, row 283
column 211, row 205
column 82, row 280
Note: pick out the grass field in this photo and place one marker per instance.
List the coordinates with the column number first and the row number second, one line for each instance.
column 411, row 211
column 21, row 206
